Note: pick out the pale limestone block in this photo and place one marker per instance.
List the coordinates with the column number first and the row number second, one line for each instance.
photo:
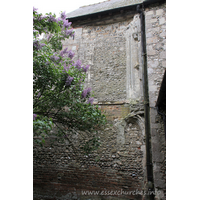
column 155, row 30
column 149, row 13
column 152, row 88
column 159, row 12
column 73, row 48
column 163, row 54
column 162, row 20
column 150, row 50
column 149, row 35
column 152, row 40
column 164, row 63
column 153, row 63
column 163, row 34
column 153, row 20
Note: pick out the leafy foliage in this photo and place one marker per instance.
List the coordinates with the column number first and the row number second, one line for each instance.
column 59, row 98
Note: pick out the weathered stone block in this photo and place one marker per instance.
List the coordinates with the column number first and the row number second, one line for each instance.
column 150, row 71
column 155, row 30
column 153, row 63
column 153, row 131
column 152, row 40
column 152, row 88
column 151, row 51
column 159, row 183
column 157, row 156
column 159, row 12
column 153, row 20
column 155, row 125
column 149, row 13
column 162, row 20
column 163, row 54
column 149, row 34
column 163, row 34
column 164, row 63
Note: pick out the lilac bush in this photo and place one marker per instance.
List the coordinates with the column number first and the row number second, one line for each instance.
column 69, row 80
column 90, row 100
column 59, row 98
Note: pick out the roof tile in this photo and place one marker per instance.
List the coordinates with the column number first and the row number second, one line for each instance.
column 102, row 6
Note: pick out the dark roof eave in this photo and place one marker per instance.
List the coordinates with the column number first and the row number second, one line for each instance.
column 145, row 3
column 102, row 12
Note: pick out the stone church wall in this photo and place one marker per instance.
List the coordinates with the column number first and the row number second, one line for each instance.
column 112, row 48
column 60, row 172
column 156, row 62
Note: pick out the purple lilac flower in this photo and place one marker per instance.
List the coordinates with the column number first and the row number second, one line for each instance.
column 34, row 116
column 85, row 68
column 49, row 36
column 44, row 17
column 41, row 45
column 34, row 9
column 64, row 66
column 78, row 64
column 69, row 80
column 63, row 15
column 45, row 30
column 59, row 19
column 90, row 100
column 39, row 95
column 72, row 33
column 36, row 44
column 69, row 32
column 89, row 90
column 63, row 52
column 54, row 58
column 70, row 54
column 52, row 19
column 85, row 92
column 41, row 18
column 66, row 24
